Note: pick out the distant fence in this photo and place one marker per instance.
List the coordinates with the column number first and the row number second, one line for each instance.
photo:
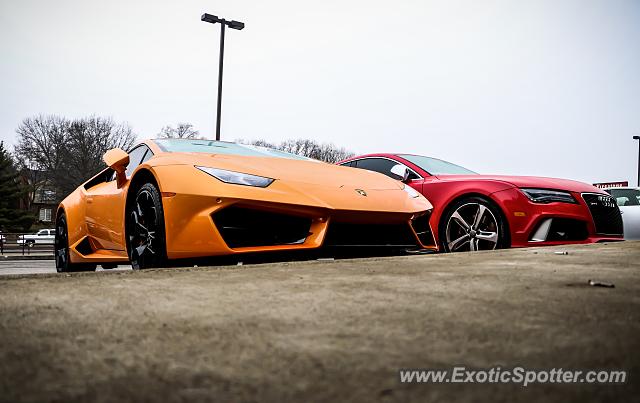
column 20, row 243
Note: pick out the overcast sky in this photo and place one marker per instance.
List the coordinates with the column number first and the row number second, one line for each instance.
column 544, row 87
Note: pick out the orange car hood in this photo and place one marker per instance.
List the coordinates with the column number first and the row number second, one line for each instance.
column 288, row 170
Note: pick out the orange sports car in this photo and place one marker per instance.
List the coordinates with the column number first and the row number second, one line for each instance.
column 170, row 199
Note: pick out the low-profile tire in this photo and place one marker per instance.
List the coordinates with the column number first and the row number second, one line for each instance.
column 472, row 223
column 146, row 243
column 61, row 248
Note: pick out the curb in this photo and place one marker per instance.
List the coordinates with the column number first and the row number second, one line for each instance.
column 27, row 257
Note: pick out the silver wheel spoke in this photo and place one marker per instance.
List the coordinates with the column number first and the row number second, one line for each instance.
column 453, row 245
column 488, row 236
column 137, row 222
column 458, row 218
column 479, row 215
column 141, row 249
column 473, row 245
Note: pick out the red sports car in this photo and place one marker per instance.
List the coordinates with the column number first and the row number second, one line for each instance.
column 481, row 212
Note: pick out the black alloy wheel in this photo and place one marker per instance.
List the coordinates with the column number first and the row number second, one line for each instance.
column 146, row 243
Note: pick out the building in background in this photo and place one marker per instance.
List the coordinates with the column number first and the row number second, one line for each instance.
column 41, row 199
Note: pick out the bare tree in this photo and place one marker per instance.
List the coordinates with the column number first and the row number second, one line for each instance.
column 87, row 140
column 257, row 143
column 40, row 150
column 307, row 148
column 182, row 131
column 330, row 153
column 63, row 152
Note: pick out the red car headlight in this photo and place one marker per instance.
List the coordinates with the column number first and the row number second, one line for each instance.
column 548, row 196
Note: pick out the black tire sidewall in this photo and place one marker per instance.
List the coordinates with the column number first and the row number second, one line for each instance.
column 61, row 221
column 495, row 210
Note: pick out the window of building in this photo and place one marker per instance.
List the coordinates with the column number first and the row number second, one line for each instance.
column 45, row 215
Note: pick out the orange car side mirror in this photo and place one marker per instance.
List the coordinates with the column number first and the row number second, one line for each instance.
column 117, row 160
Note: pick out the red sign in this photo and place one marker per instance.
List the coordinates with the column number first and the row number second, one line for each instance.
column 604, row 185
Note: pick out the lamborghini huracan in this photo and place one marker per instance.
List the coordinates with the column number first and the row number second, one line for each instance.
column 169, row 199
column 483, row 212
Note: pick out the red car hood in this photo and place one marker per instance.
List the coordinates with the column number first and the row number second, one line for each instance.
column 528, row 182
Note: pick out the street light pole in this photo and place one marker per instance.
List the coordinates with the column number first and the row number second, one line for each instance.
column 220, row 65
column 638, row 138
column 212, row 19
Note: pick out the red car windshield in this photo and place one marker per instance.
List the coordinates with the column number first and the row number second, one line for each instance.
column 437, row 167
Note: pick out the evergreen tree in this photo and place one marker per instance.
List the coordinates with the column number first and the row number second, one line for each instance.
column 11, row 190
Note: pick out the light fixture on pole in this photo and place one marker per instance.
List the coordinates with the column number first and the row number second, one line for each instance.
column 212, row 19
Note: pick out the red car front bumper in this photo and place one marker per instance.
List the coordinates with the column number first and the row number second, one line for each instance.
column 536, row 224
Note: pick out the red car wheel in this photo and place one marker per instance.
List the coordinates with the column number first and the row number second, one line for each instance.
column 472, row 224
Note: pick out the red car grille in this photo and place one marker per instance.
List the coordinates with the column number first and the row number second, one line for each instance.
column 605, row 212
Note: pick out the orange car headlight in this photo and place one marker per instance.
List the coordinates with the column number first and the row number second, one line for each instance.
column 237, row 178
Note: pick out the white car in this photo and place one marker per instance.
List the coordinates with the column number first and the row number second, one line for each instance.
column 44, row 236
column 628, row 200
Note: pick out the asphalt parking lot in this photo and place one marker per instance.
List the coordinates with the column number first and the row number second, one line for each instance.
column 22, row 267
column 324, row 330
column 15, row 267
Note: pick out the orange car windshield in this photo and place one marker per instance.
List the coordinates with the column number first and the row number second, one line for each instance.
column 222, row 147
